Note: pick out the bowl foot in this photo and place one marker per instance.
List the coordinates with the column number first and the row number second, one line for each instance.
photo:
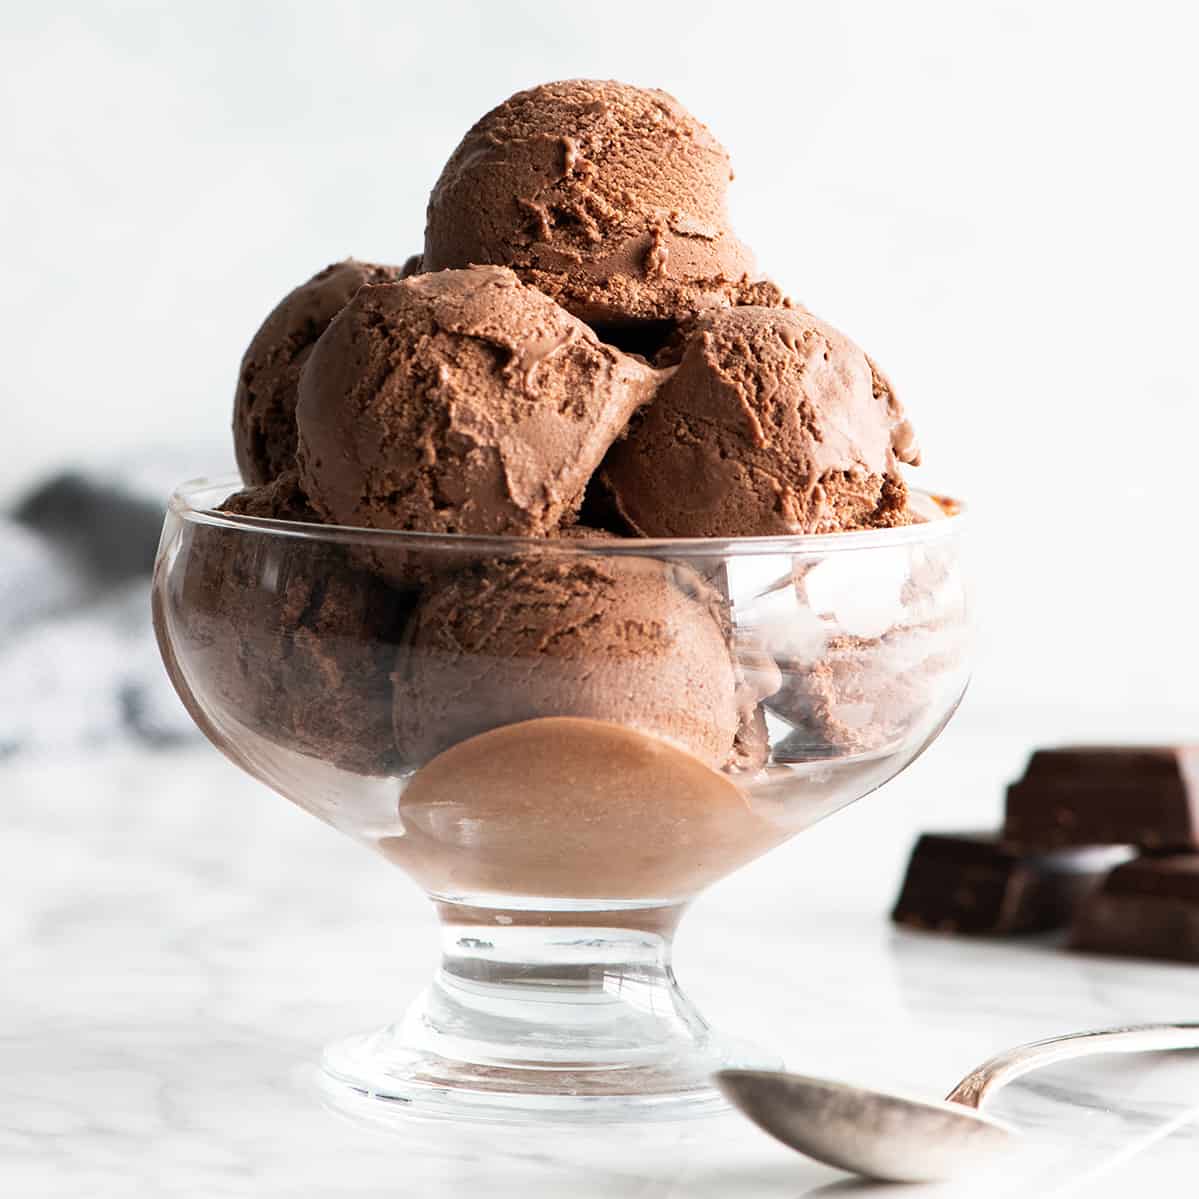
column 554, row 1015
column 380, row 1070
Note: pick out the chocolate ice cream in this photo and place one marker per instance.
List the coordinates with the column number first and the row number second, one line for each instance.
column 758, row 678
column 630, row 640
column 264, row 421
column 773, row 423
column 460, row 402
column 495, row 383
column 858, row 681
column 293, row 640
column 576, row 808
column 861, row 694
column 607, row 197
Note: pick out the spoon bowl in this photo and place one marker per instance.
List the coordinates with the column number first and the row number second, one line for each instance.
column 872, row 1133
column 896, row 1139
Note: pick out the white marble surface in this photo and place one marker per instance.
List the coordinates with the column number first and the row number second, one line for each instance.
column 178, row 943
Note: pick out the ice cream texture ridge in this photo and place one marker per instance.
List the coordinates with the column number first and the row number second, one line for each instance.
column 582, row 355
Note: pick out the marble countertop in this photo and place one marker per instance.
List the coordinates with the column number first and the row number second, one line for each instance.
column 178, row 944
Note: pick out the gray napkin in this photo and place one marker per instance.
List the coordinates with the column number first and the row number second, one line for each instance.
column 108, row 529
column 78, row 664
column 37, row 580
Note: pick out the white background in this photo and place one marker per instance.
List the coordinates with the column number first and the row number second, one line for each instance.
column 997, row 201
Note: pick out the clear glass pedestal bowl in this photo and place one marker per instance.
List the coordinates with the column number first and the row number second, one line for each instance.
column 562, row 742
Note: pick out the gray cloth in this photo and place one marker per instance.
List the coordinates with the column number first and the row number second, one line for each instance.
column 110, row 531
column 79, row 667
column 37, row 580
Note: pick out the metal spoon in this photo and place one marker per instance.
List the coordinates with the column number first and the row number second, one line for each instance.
column 897, row 1139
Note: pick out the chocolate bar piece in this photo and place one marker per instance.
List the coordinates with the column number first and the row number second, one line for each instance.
column 976, row 883
column 1148, row 907
column 1107, row 795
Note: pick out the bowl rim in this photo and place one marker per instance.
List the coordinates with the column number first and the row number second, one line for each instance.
column 182, row 503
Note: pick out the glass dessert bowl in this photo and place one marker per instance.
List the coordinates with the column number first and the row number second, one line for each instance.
column 562, row 742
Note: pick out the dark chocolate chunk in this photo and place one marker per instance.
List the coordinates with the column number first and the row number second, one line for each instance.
column 1148, row 907
column 1107, row 795
column 976, row 883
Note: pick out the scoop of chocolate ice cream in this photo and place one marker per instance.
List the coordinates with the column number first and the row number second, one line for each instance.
column 610, row 198
column 629, row 640
column 264, row 409
column 861, row 694
column 281, row 499
column 773, row 423
column 460, row 402
column 288, row 637
column 860, row 677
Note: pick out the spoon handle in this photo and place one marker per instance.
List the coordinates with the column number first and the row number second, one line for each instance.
column 1002, row 1069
